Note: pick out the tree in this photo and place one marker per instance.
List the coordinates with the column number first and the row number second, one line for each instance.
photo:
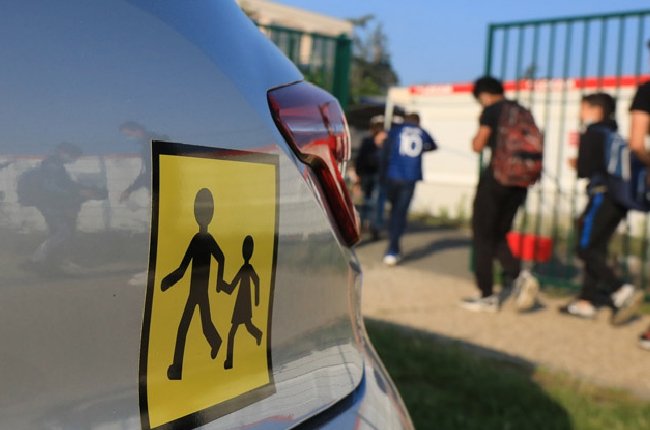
column 372, row 73
column 530, row 72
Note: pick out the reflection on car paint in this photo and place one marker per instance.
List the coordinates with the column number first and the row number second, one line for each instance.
column 78, row 72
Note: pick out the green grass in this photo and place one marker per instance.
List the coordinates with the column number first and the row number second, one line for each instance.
column 448, row 385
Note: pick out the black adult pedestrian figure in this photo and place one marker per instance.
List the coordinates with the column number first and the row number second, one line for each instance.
column 243, row 312
column 200, row 251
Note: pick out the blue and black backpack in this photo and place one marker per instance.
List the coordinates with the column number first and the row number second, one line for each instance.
column 626, row 174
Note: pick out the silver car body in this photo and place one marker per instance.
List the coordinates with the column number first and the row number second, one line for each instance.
column 195, row 73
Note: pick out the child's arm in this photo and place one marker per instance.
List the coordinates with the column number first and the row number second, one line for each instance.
column 591, row 154
column 481, row 138
column 573, row 162
column 639, row 128
column 229, row 288
column 429, row 142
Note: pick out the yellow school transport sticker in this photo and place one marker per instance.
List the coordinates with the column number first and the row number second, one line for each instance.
column 206, row 336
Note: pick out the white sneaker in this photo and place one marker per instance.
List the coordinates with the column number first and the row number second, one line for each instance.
column 481, row 304
column 526, row 290
column 139, row 279
column 391, row 260
column 622, row 295
column 625, row 311
column 580, row 309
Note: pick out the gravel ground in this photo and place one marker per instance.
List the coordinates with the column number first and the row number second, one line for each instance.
column 424, row 293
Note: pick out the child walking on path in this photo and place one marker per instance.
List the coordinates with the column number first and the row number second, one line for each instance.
column 402, row 154
column 599, row 221
column 639, row 130
column 495, row 206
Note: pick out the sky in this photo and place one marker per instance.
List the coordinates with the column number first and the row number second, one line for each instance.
column 431, row 41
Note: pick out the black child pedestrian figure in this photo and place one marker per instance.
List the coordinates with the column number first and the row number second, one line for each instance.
column 243, row 312
column 200, row 251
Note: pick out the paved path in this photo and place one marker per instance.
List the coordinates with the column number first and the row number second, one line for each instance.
column 424, row 293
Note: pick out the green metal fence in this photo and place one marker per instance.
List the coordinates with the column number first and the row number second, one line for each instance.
column 548, row 65
column 324, row 60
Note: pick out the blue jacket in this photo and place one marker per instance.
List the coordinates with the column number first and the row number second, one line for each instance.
column 402, row 152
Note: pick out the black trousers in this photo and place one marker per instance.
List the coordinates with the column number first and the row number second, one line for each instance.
column 495, row 207
column 596, row 226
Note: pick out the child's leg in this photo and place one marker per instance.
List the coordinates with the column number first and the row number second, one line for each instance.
column 483, row 234
column 594, row 259
column 496, row 207
column 231, row 346
column 256, row 332
column 602, row 217
column 508, row 207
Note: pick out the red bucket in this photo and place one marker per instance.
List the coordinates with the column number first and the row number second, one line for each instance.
column 530, row 247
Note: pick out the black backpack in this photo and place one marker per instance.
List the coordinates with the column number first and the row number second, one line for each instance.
column 30, row 187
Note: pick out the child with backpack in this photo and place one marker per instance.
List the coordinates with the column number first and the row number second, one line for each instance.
column 639, row 130
column 598, row 222
column 509, row 131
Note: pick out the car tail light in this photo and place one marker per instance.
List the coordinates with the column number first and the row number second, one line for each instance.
column 312, row 122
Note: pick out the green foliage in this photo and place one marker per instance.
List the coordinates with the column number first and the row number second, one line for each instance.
column 443, row 214
column 320, row 78
column 372, row 72
column 443, row 218
column 446, row 385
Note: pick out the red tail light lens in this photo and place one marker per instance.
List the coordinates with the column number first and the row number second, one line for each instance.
column 312, row 122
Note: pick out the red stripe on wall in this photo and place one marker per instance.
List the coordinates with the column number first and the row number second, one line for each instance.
column 590, row 83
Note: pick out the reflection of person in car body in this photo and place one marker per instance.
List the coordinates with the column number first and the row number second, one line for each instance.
column 2, row 166
column 143, row 137
column 243, row 312
column 59, row 198
column 201, row 249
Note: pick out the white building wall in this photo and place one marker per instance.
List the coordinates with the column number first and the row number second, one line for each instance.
column 450, row 113
column 112, row 172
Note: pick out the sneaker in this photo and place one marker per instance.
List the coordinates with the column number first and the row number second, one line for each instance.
column 391, row 259
column 506, row 293
column 620, row 296
column 481, row 304
column 628, row 309
column 526, row 290
column 578, row 308
column 644, row 340
column 139, row 279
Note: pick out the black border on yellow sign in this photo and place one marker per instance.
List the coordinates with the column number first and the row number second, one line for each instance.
column 202, row 417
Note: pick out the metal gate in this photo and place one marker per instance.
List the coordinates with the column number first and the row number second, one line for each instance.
column 548, row 65
column 324, row 60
